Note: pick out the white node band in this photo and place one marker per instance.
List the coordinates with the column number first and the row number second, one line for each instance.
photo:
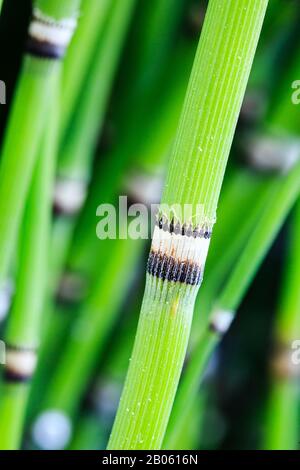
column 69, row 195
column 221, row 321
column 274, row 154
column 20, row 363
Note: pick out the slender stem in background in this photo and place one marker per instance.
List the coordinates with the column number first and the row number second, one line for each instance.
column 225, row 250
column 285, row 193
column 282, row 425
column 270, row 208
column 131, row 128
column 277, row 203
column 216, row 89
column 81, row 139
column 23, row 329
column 99, row 312
column 28, row 115
column 78, row 145
column 82, row 52
column 156, row 131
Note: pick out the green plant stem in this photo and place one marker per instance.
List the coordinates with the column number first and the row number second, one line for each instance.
column 131, row 128
column 216, row 89
column 285, row 193
column 224, row 250
column 82, row 51
column 282, row 423
column 25, row 127
column 277, row 203
column 88, row 333
column 117, row 258
column 79, row 145
column 77, row 150
column 156, row 136
column 189, row 386
column 23, row 329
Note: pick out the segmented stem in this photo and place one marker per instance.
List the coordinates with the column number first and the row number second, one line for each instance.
column 175, row 267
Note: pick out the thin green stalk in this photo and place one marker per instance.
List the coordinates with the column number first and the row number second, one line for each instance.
column 106, row 391
column 285, row 193
column 69, row 382
column 82, row 51
column 131, row 132
column 277, row 204
column 81, row 138
column 89, row 434
column 156, row 136
column 87, row 339
column 282, row 425
column 77, row 150
column 23, row 329
column 117, row 258
column 224, row 250
column 214, row 97
column 26, row 124
column 77, row 166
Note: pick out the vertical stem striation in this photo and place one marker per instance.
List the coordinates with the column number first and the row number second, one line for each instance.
column 23, row 329
column 283, row 407
column 180, row 243
column 45, row 49
column 277, row 202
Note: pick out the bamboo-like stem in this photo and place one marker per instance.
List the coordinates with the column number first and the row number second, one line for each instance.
column 75, row 160
column 224, row 251
column 77, row 150
column 82, row 50
column 285, row 193
column 132, row 137
column 278, row 190
column 70, row 378
column 81, row 139
column 29, row 111
column 277, row 203
column 282, row 423
column 216, row 89
column 23, row 330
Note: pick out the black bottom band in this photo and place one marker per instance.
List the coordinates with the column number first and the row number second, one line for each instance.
column 44, row 50
column 168, row 268
column 12, row 377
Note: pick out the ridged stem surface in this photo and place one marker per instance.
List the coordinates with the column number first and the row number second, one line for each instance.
column 202, row 144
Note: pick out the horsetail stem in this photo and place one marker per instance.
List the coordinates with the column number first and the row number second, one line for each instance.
column 215, row 92
column 70, row 378
column 40, row 70
column 79, row 145
column 282, row 424
column 270, row 217
column 224, row 251
column 83, row 48
column 285, row 193
column 23, row 329
column 277, row 202
column 120, row 156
